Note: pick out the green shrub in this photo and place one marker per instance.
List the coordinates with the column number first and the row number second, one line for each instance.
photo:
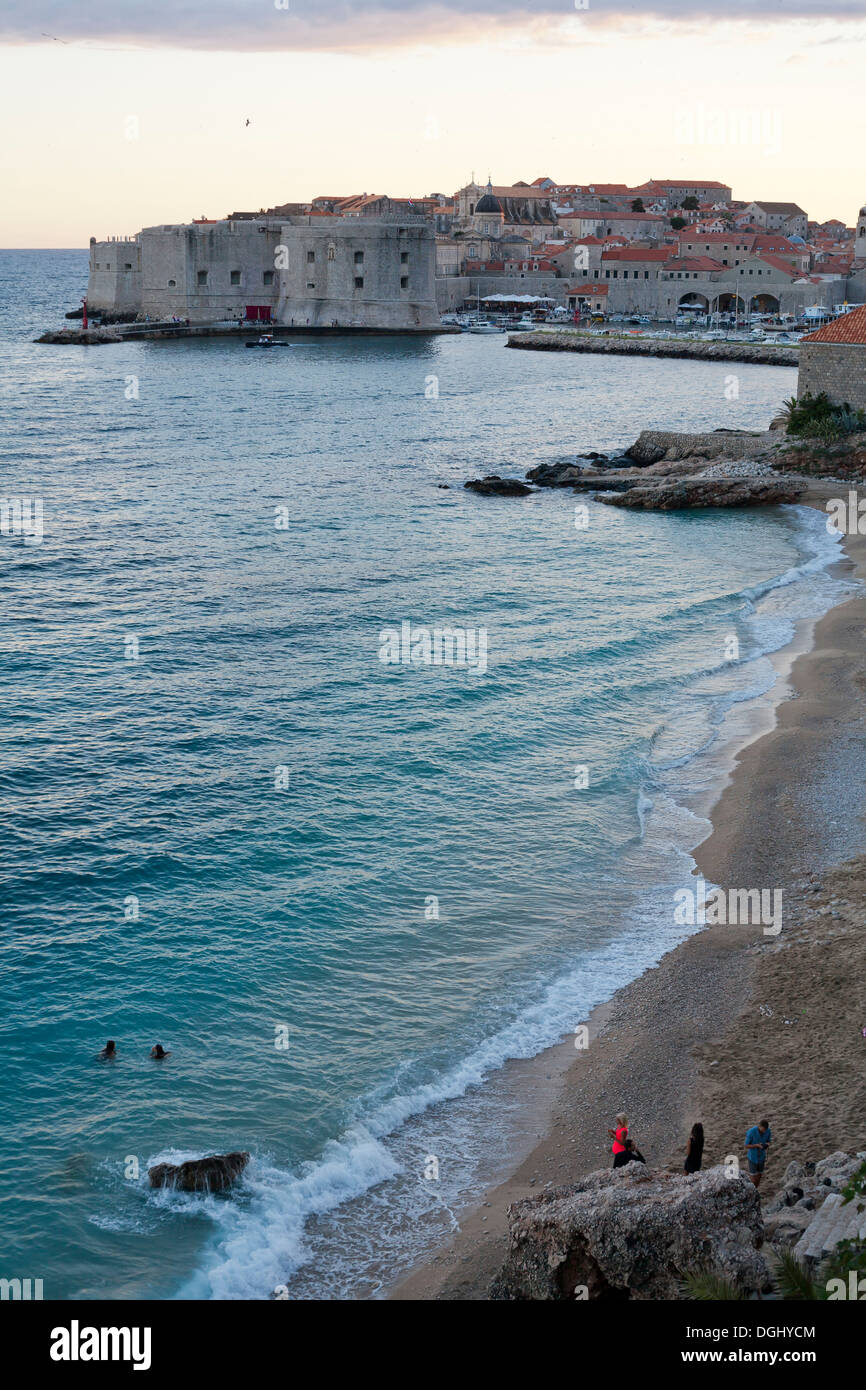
column 816, row 417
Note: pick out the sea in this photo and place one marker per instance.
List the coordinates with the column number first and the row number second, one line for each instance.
column 348, row 895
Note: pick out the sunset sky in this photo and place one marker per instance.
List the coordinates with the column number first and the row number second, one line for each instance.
column 118, row 114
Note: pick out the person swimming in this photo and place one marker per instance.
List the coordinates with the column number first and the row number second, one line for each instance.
column 158, row 1051
column 110, row 1049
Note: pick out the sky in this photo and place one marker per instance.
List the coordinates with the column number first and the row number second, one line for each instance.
column 118, row 114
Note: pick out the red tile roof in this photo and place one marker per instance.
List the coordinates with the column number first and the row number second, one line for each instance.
column 632, row 253
column 850, row 328
column 705, row 263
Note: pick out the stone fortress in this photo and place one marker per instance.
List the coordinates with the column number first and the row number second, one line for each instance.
column 302, row 271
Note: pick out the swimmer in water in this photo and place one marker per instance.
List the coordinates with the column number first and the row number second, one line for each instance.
column 158, row 1051
column 110, row 1049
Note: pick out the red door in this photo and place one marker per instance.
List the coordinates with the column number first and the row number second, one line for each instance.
column 258, row 313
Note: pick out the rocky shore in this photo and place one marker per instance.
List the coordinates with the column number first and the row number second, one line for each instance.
column 768, row 354
column 667, row 471
column 635, row 1233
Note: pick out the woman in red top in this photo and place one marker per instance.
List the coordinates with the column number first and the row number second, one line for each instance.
column 619, row 1137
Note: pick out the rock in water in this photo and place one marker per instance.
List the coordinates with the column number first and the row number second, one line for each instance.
column 708, row 492
column 494, row 486
column 212, row 1174
column 633, row 1233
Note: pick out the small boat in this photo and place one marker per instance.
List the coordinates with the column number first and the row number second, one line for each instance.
column 267, row 340
column 485, row 328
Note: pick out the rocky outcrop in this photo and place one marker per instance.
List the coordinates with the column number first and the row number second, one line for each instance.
column 681, row 493
column 574, row 475
column 631, row 1233
column 81, row 336
column 778, row 355
column 652, row 446
column 494, row 486
column 845, row 459
column 212, row 1174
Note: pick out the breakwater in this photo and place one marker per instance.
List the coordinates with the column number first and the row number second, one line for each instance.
column 137, row 332
column 770, row 354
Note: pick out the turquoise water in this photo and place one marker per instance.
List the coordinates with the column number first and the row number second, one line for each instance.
column 158, row 886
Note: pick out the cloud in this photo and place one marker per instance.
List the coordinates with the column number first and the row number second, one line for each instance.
column 255, row 25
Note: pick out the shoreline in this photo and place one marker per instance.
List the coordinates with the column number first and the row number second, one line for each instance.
column 677, row 1044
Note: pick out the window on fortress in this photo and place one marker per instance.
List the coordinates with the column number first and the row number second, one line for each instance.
column 172, row 284
column 236, row 277
column 267, row 277
column 404, row 282
column 359, row 258
column 128, row 265
column 359, row 282
column 202, row 277
column 311, row 258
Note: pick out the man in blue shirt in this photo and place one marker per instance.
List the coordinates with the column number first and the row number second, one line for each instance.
column 758, row 1140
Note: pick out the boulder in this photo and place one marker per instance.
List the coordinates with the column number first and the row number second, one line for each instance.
column 494, row 486
column 214, row 1173
column 631, row 1233
column 578, row 476
column 787, row 1226
column 556, row 474
column 708, row 492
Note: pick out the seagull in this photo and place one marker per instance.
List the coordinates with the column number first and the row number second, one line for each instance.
column 247, row 123
column 54, row 38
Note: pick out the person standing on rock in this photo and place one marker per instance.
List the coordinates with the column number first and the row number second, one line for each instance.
column 694, row 1150
column 619, row 1135
column 758, row 1140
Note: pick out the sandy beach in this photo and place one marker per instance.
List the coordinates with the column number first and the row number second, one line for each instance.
column 732, row 1025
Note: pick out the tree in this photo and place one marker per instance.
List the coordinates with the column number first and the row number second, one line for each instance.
column 678, row 222
column 637, row 205
column 690, row 204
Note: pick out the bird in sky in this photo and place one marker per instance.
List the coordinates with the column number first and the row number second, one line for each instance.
column 247, row 123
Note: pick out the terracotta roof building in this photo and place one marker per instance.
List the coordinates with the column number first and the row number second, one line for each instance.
column 834, row 360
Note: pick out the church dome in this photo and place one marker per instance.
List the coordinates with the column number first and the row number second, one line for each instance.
column 488, row 203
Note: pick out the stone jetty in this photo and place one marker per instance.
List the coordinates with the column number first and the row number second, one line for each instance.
column 718, row 350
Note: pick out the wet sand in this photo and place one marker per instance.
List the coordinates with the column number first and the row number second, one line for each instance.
column 732, row 1025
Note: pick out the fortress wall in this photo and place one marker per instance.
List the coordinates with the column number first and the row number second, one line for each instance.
column 323, row 272
column 115, row 276
column 358, row 272
column 202, row 262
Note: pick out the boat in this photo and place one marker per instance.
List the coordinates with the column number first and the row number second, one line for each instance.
column 485, row 328
column 267, row 340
